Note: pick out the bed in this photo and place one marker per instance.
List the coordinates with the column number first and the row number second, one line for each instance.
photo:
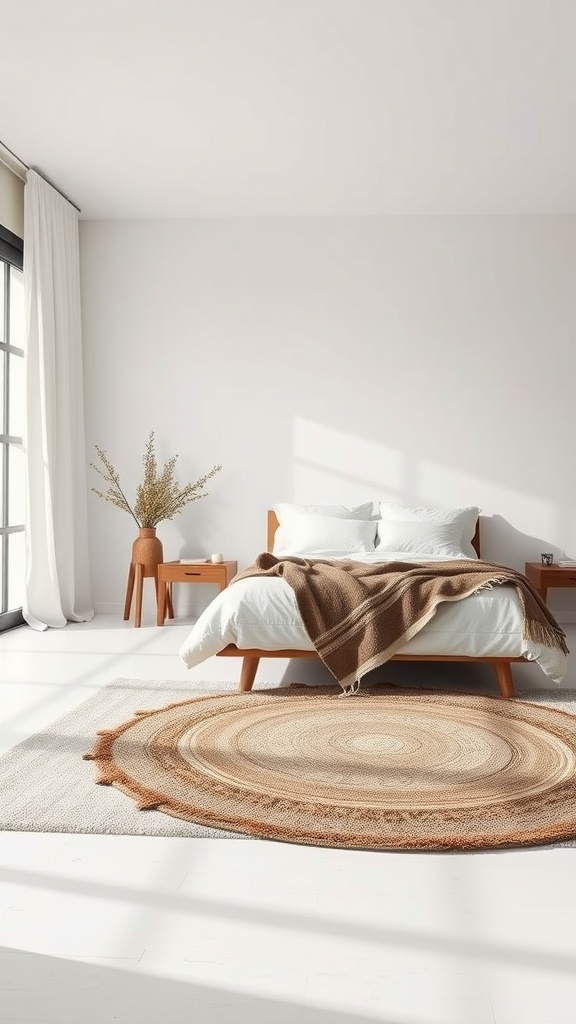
column 258, row 616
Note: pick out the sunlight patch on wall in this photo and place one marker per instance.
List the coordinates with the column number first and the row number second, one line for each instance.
column 334, row 466
column 436, row 484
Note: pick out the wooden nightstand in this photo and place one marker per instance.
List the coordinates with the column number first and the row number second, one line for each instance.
column 545, row 576
column 189, row 572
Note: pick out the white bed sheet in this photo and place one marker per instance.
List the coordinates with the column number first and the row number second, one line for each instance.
column 261, row 612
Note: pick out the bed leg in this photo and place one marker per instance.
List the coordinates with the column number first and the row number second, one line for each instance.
column 503, row 670
column 248, row 673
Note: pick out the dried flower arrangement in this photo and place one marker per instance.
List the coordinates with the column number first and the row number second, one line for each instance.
column 159, row 496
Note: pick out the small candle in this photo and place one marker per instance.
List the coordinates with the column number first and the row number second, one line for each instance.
column 217, row 558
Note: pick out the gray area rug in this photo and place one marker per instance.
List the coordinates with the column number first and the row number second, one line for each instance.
column 47, row 786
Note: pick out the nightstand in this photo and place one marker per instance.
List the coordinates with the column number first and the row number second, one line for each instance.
column 220, row 573
column 545, row 576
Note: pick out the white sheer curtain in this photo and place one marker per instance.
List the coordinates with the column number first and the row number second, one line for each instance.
column 57, row 566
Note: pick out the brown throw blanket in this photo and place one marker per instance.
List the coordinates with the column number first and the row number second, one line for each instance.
column 359, row 615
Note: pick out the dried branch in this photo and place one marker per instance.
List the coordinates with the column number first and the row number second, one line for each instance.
column 159, row 496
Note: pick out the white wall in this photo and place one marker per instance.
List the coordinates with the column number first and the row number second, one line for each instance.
column 11, row 201
column 424, row 359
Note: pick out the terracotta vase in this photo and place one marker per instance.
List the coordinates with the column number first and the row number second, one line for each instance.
column 147, row 554
column 147, row 551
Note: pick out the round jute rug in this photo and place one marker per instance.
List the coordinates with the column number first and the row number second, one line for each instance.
column 386, row 771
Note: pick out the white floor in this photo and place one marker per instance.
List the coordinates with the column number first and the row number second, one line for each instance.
column 154, row 931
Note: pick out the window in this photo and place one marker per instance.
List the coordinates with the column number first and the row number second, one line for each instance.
column 12, row 397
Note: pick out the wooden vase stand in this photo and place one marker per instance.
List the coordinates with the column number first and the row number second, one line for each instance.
column 138, row 572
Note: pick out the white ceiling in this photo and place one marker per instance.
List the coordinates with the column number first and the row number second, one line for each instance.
column 185, row 108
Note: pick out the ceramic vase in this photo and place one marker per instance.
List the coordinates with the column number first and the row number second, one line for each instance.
column 147, row 551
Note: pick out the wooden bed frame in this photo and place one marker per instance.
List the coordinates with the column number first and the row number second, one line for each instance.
column 251, row 658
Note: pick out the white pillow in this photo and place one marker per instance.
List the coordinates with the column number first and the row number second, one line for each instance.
column 419, row 538
column 462, row 521
column 283, row 540
column 328, row 536
column 336, row 511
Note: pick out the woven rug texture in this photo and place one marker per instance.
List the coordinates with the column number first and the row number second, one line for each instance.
column 48, row 786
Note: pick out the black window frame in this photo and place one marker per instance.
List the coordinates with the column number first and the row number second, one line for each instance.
column 11, row 254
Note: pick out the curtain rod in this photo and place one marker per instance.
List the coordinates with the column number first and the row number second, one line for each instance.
column 15, row 164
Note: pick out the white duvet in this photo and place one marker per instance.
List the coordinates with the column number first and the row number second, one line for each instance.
column 261, row 612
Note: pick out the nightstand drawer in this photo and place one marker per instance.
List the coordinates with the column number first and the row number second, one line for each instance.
column 206, row 573
column 559, row 577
